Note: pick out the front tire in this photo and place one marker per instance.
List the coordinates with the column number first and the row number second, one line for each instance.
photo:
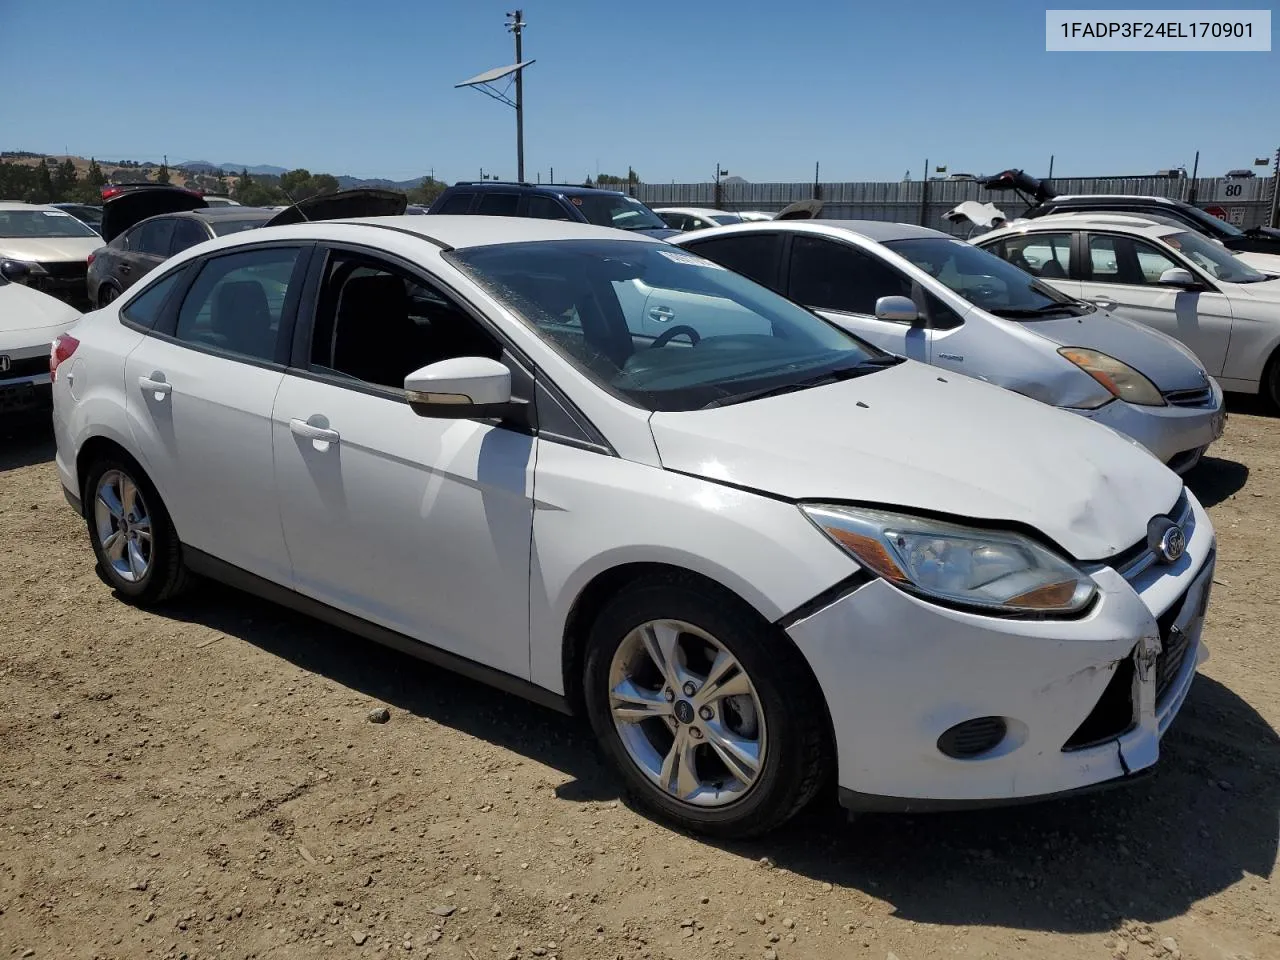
column 1270, row 386
column 712, row 718
column 138, row 551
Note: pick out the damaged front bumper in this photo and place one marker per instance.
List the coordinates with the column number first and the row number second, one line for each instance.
column 1083, row 703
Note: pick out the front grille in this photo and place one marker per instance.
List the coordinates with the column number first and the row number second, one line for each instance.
column 1174, row 645
column 1199, row 397
column 26, row 367
column 66, row 269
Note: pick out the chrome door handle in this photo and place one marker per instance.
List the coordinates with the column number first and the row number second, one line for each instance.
column 661, row 314
column 161, row 388
column 310, row 431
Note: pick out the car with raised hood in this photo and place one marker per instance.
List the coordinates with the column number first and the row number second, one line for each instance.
column 1174, row 280
column 49, row 246
column 146, row 225
column 922, row 294
column 29, row 323
column 761, row 559
column 1045, row 201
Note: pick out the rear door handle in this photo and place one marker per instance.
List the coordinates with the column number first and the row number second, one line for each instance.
column 161, row 388
column 310, row 431
column 125, row 268
column 661, row 314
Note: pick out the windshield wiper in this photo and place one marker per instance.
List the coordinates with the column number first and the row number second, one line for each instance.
column 870, row 365
column 1015, row 312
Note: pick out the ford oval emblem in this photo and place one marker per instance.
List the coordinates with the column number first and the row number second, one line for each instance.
column 1173, row 544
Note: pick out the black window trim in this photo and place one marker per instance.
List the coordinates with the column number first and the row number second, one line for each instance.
column 178, row 220
column 527, row 377
column 136, row 292
column 868, row 252
column 167, row 322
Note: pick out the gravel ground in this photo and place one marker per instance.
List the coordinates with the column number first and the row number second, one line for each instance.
column 207, row 782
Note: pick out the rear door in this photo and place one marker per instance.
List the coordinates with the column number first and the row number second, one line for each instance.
column 1122, row 273
column 199, row 395
column 148, row 247
column 187, row 232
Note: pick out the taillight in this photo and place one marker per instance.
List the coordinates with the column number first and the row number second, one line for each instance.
column 90, row 259
column 61, row 350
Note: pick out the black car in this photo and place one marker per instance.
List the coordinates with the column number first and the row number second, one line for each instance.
column 1045, row 201
column 143, row 227
column 605, row 208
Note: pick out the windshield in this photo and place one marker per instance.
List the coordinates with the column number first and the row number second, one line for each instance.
column 1213, row 259
column 1212, row 224
column 661, row 327
column 984, row 279
column 222, row 227
column 725, row 218
column 616, row 210
column 41, row 224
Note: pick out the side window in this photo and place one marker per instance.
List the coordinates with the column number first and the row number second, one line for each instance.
column 458, row 203
column 144, row 309
column 1151, row 262
column 1045, row 255
column 676, row 221
column 1112, row 260
column 498, row 204
column 237, row 301
column 835, row 276
column 545, row 208
column 378, row 323
column 186, row 234
column 754, row 255
column 153, row 237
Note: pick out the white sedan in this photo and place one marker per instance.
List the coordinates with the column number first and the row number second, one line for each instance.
column 29, row 323
column 758, row 561
column 1176, row 281
column 695, row 218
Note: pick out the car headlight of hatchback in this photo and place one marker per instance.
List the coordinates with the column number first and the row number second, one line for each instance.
column 994, row 570
column 1124, row 382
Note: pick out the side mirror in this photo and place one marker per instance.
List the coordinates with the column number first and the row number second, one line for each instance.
column 15, row 270
column 898, row 310
column 1178, row 277
column 460, row 388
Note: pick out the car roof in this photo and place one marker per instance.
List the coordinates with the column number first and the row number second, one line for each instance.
column 568, row 189
column 232, row 213
column 449, row 231
column 877, row 230
column 1112, row 198
column 23, row 205
column 702, row 211
column 1101, row 221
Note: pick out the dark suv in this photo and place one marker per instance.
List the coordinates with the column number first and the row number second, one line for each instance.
column 1045, row 200
column 605, row 208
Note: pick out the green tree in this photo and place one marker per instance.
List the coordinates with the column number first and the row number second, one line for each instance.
column 162, row 175
column 325, row 183
column 94, row 176
column 44, row 185
column 426, row 192
column 64, row 180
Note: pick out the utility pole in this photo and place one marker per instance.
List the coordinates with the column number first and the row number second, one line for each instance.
column 1195, row 172
column 924, row 193
column 516, row 25
column 817, row 190
column 718, row 192
column 1274, row 220
column 1050, row 177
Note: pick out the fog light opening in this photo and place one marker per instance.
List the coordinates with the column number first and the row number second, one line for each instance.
column 973, row 738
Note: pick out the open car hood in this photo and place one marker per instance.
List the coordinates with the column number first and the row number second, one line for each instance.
column 1021, row 182
column 123, row 210
column 985, row 215
column 801, row 210
column 364, row 202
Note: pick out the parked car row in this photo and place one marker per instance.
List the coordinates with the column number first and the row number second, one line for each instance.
column 764, row 550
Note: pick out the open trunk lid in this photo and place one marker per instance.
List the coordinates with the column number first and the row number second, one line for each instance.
column 361, row 202
column 122, row 210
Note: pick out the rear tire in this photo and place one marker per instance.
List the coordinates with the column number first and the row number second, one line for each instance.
column 755, row 739
column 1270, row 386
column 137, row 548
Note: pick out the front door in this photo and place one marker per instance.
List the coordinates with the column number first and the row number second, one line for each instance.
column 1122, row 273
column 420, row 525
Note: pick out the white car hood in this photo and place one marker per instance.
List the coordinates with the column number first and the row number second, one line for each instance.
column 49, row 249
column 1266, row 262
column 29, row 317
column 930, row 442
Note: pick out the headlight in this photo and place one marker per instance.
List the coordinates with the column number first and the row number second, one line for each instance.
column 990, row 569
column 1124, row 382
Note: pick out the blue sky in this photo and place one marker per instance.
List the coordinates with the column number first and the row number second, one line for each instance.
column 670, row 87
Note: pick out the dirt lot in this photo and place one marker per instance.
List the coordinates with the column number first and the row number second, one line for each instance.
column 206, row 783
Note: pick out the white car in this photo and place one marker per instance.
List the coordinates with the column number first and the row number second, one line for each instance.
column 925, row 295
column 755, row 216
column 1172, row 279
column 50, row 246
column 695, row 218
column 758, row 563
column 29, row 323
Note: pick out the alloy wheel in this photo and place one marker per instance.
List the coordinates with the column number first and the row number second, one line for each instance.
column 123, row 525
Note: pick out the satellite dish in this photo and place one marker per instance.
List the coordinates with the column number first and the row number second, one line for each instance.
column 801, row 210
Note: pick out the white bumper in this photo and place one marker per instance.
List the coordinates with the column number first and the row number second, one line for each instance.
column 1176, row 436
column 898, row 672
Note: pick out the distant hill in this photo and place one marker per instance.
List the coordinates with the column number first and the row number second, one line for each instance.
column 204, row 166
column 351, row 183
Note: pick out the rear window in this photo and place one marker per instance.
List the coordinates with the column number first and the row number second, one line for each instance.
column 458, row 203
column 498, row 204
column 223, row 227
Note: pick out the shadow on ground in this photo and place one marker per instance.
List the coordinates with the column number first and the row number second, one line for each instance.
column 1148, row 852
column 24, row 441
column 1213, row 479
